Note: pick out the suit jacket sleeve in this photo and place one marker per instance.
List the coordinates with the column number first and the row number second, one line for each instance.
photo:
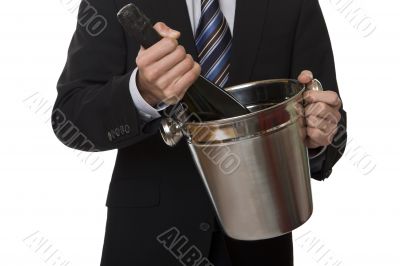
column 312, row 50
column 94, row 110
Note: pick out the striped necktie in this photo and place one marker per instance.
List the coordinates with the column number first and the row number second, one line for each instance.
column 214, row 43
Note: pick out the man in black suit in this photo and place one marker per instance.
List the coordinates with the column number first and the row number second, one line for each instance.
column 158, row 209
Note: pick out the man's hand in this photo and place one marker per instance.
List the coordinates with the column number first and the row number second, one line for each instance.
column 165, row 71
column 322, row 114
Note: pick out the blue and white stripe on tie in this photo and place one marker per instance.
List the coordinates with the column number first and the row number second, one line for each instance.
column 214, row 43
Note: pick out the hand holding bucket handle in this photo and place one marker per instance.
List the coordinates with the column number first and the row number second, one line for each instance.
column 315, row 85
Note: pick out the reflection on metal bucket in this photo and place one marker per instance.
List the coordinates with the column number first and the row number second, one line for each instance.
column 255, row 166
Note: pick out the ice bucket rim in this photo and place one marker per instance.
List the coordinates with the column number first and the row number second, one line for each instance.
column 251, row 84
column 284, row 113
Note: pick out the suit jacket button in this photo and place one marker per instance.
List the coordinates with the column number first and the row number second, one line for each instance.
column 127, row 129
column 110, row 138
column 204, row 227
column 117, row 132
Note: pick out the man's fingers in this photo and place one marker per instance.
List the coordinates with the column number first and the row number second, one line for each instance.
column 180, row 84
column 156, row 52
column 319, row 137
column 328, row 97
column 323, row 111
column 312, row 144
column 162, row 48
column 161, row 67
column 187, row 79
column 322, row 124
column 165, row 70
column 177, row 71
column 166, row 31
column 305, row 77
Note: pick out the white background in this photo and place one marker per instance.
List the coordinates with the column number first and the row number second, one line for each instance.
column 47, row 193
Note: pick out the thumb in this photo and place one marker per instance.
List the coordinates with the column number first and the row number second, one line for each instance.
column 305, row 77
column 165, row 31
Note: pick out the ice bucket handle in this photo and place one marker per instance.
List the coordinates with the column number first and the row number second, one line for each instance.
column 171, row 131
column 315, row 85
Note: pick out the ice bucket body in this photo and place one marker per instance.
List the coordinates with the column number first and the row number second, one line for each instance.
column 256, row 167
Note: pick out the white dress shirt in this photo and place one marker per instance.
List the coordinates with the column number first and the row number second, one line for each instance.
column 228, row 7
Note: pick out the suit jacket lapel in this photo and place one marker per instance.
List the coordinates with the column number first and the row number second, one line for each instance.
column 247, row 34
column 178, row 18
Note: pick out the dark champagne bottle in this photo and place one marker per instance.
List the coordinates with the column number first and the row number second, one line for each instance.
column 205, row 99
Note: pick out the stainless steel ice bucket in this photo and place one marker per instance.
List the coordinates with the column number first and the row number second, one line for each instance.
column 256, row 166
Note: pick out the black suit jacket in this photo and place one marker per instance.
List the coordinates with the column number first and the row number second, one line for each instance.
column 154, row 187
